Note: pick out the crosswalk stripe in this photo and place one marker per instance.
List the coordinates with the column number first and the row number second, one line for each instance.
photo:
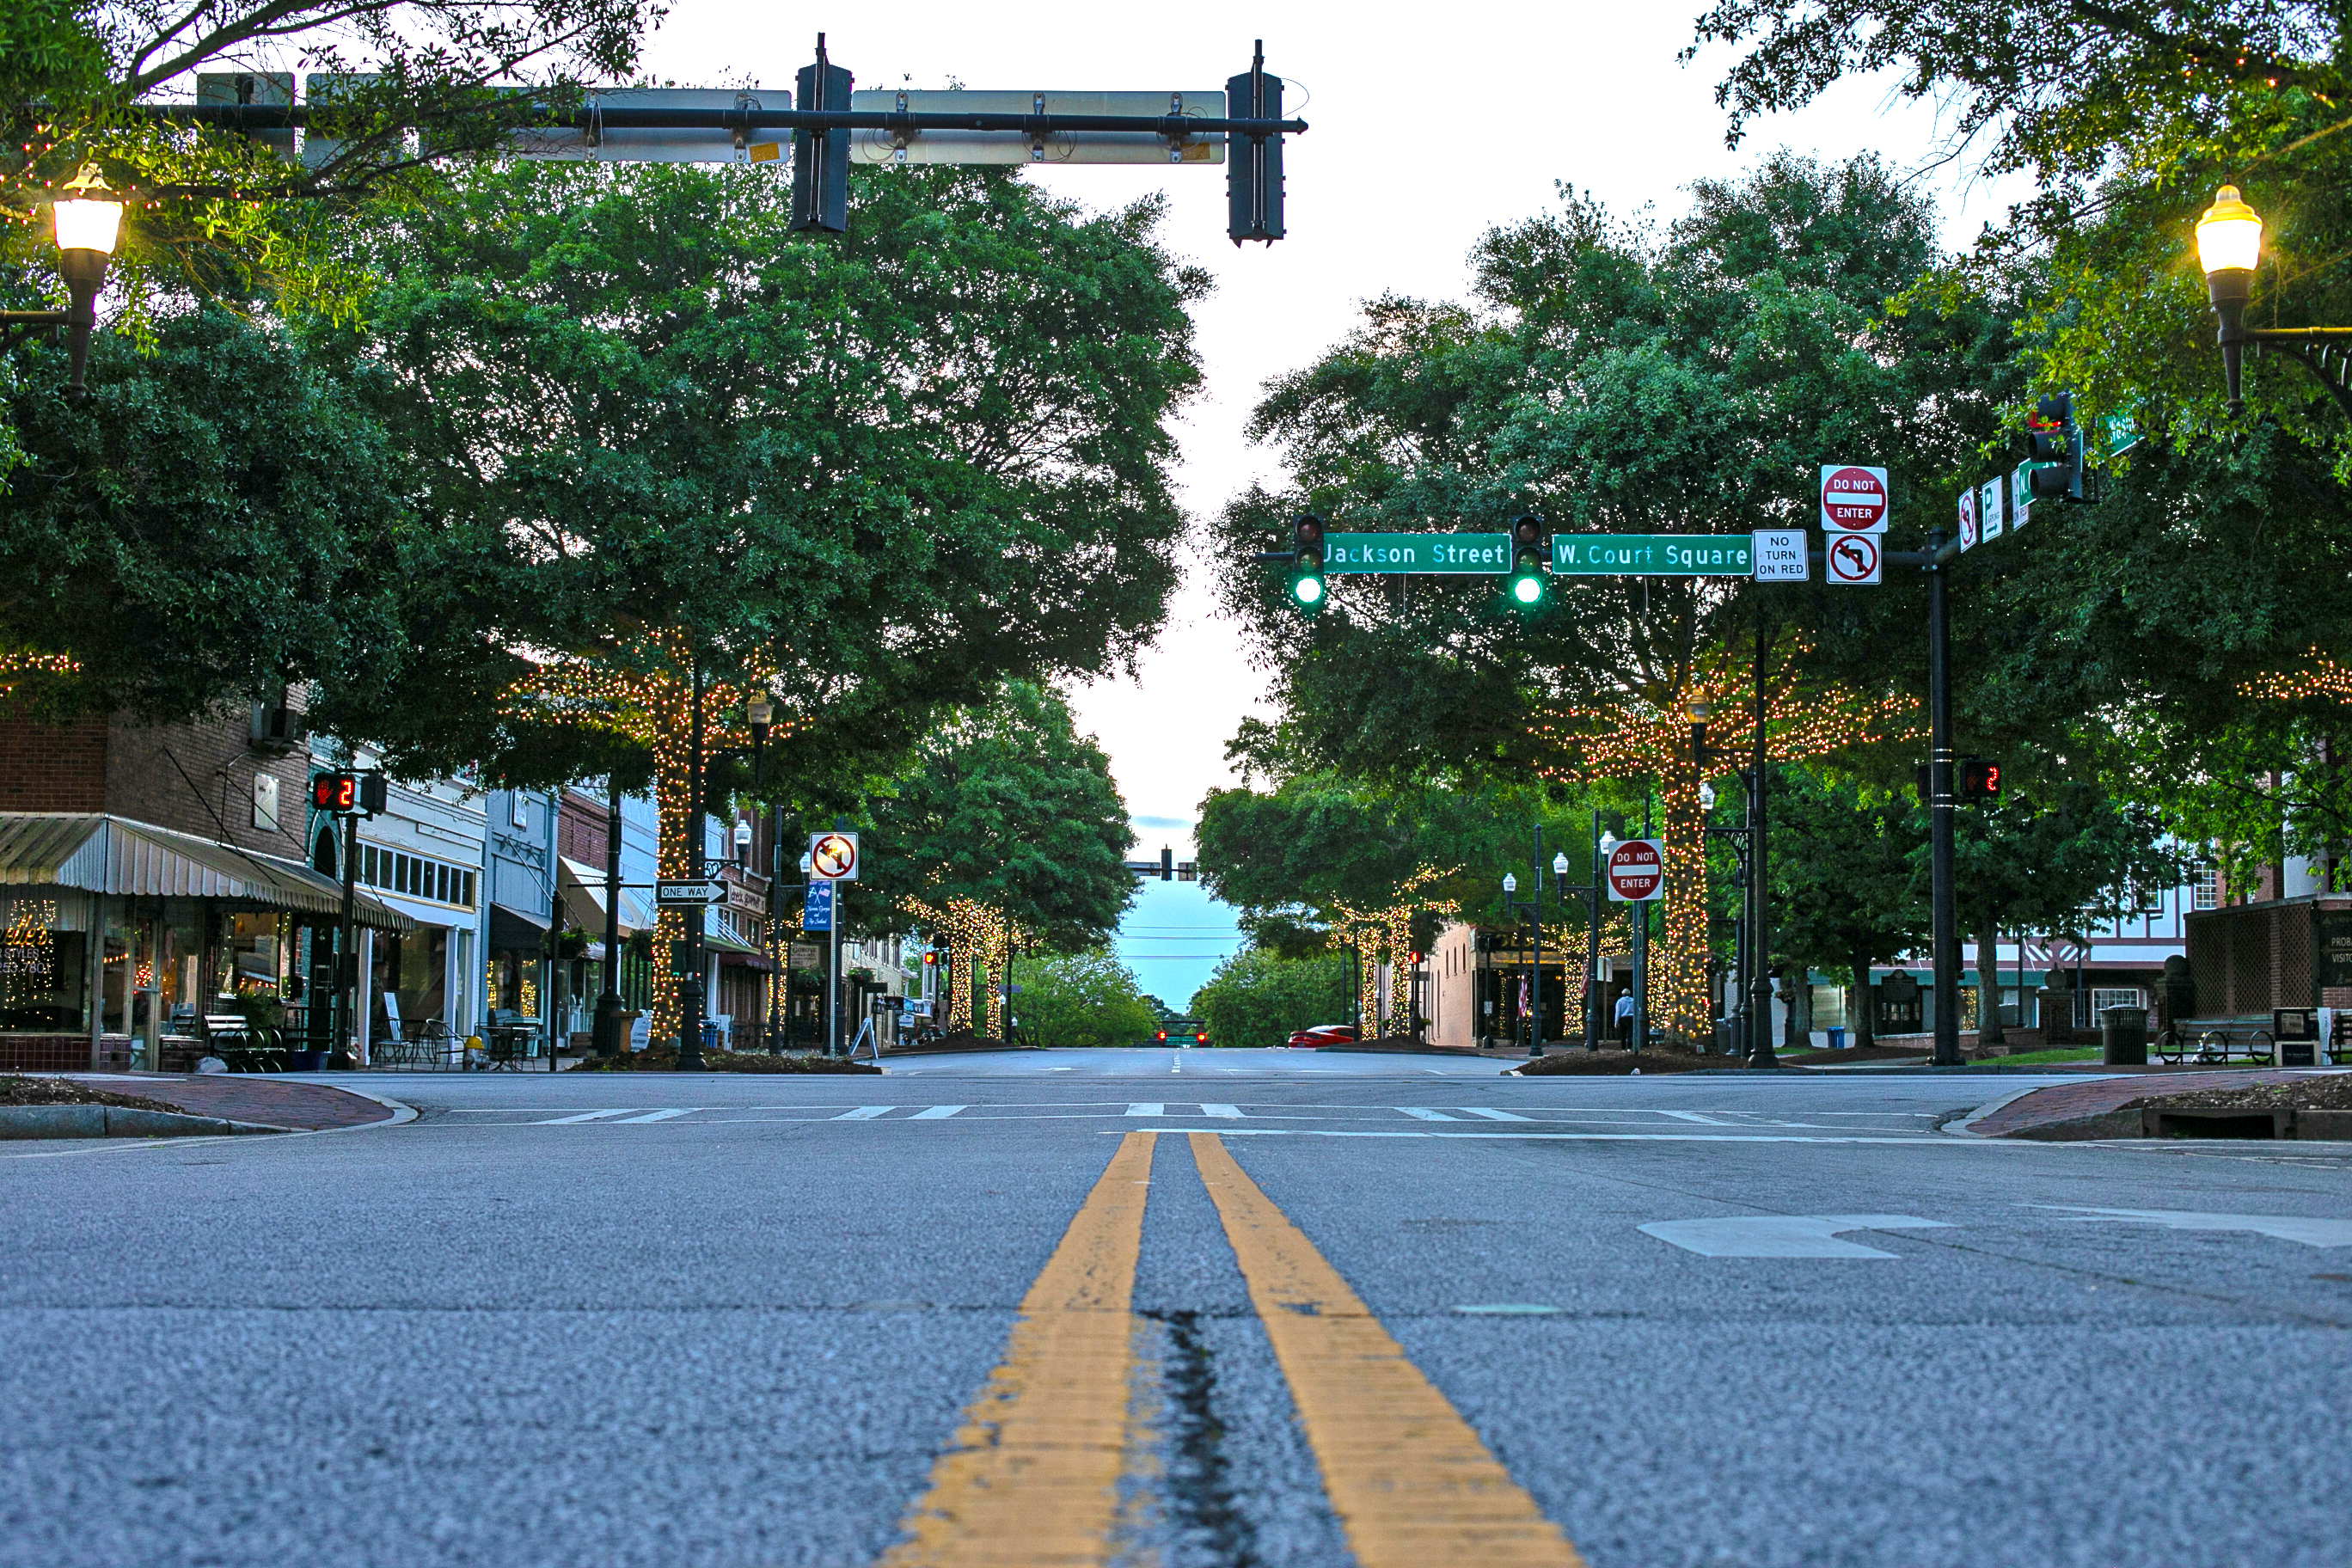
column 1426, row 1114
column 1493, row 1115
column 1033, row 1476
column 1220, row 1111
column 936, row 1113
column 865, row 1113
column 584, row 1116
column 1148, row 1107
column 1412, row 1483
column 657, row 1116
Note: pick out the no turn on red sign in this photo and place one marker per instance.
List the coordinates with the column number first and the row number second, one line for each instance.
column 1637, row 870
column 1853, row 498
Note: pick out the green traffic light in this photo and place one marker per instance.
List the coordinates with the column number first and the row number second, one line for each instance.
column 1307, row 589
column 1526, row 589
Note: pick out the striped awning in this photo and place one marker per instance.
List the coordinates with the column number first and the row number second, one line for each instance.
column 104, row 853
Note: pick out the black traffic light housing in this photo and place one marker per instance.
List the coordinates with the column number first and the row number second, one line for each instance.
column 350, row 794
column 821, row 158
column 1978, row 779
column 1253, row 163
column 2056, row 441
column 1527, row 585
column 1306, row 586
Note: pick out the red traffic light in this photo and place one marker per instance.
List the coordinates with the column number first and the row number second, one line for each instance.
column 1163, row 1034
column 1202, row 1037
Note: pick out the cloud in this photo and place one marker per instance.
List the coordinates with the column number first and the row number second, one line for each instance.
column 1160, row 822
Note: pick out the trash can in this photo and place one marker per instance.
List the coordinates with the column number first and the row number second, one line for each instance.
column 2122, row 1037
column 1837, row 1037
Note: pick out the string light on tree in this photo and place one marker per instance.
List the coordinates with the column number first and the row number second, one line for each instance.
column 1651, row 737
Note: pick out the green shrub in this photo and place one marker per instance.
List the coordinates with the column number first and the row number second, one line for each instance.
column 1257, row 999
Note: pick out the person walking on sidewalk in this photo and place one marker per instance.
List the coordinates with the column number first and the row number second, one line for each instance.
column 1625, row 1018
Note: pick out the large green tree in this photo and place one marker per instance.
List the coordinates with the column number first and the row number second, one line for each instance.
column 1006, row 805
column 1847, row 887
column 1082, row 999
column 1257, row 999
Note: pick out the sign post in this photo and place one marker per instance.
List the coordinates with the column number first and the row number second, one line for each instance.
column 833, row 861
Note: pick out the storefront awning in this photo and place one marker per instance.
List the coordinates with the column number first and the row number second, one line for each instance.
column 583, row 900
column 104, row 853
column 516, row 931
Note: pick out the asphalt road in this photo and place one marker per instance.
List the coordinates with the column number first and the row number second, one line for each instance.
column 1386, row 1310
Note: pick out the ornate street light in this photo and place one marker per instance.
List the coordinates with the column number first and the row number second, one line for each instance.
column 88, row 225
column 2229, row 247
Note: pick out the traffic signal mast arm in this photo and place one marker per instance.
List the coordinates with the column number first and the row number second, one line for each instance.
column 264, row 117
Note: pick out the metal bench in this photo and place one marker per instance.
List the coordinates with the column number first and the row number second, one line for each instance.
column 2216, row 1043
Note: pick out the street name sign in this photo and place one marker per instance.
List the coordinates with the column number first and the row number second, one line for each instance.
column 674, row 893
column 832, row 856
column 2021, row 493
column 1637, row 870
column 1854, row 561
column 1653, row 555
column 1853, row 498
column 1437, row 554
column 1779, row 554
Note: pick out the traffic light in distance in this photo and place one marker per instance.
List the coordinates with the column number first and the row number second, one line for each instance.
column 375, row 793
column 2057, row 441
column 1979, row 779
column 1527, row 585
column 337, row 792
column 821, row 158
column 1306, row 589
column 1254, row 165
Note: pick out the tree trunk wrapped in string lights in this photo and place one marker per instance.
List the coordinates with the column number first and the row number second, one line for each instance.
column 644, row 693
column 1651, row 737
column 1386, row 934
column 978, row 943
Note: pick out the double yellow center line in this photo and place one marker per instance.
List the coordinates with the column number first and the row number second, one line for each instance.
column 1033, row 1475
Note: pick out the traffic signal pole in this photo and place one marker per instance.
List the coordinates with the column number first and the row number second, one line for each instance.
column 689, row 990
column 1759, row 906
column 1945, row 933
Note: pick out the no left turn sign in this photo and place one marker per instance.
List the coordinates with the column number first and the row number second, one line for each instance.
column 1854, row 560
column 832, row 856
column 1637, row 870
column 1853, row 498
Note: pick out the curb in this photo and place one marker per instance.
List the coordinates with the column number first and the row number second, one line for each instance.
column 1965, row 1126
column 115, row 1121
column 400, row 1114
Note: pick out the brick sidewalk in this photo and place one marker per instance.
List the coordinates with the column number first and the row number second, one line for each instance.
column 2065, row 1101
column 303, row 1107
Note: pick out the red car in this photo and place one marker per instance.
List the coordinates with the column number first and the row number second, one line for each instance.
column 1325, row 1035
column 1184, row 1030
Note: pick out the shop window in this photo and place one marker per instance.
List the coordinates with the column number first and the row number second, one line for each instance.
column 43, row 983
column 2103, row 997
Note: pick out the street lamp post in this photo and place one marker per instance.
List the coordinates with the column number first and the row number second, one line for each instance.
column 609, row 1005
column 88, row 225
column 2229, row 247
column 690, row 998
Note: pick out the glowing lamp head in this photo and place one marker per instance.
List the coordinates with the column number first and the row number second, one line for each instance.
column 1510, row 883
column 2230, row 235
column 742, row 836
column 760, row 712
column 1559, row 864
column 1307, row 589
column 90, row 219
column 1699, row 708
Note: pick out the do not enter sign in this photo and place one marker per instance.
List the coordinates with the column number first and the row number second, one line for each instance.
column 1854, row 499
column 1637, row 870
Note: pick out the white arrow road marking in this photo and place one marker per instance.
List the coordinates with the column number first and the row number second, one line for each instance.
column 936, row 1113
column 657, row 1116
column 584, row 1116
column 1494, row 1115
column 2285, row 1228
column 1148, row 1107
column 1780, row 1235
column 865, row 1113
column 1220, row 1111
column 1425, row 1113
